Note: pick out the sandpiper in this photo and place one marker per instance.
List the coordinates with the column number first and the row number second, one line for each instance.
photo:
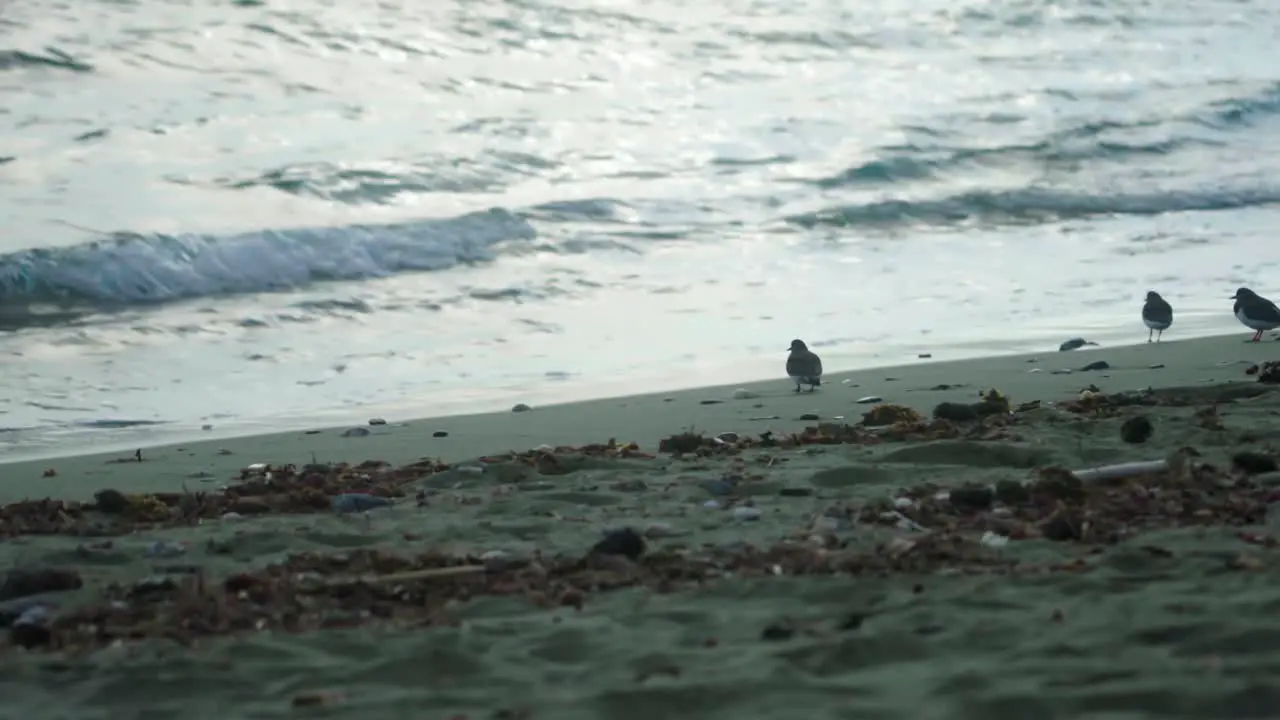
column 1157, row 315
column 803, row 366
column 1255, row 312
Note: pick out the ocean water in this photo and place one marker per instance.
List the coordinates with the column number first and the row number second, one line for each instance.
column 260, row 214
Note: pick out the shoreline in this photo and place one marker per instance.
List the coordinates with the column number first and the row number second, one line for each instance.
column 51, row 442
column 645, row 418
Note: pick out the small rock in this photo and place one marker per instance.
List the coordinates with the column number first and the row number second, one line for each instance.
column 520, row 407
column 776, row 633
column 206, row 427
column 972, row 498
column 377, row 421
column 356, row 432
column 625, row 542
column 1252, row 463
column 710, row 402
column 111, row 501
column 746, row 513
column 744, row 394
column 795, row 492
column 991, row 539
column 728, row 437
column 1136, row 430
column 1096, row 365
column 50, row 472
column 439, row 434
column 31, row 629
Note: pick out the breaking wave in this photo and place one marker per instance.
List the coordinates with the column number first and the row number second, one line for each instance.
column 131, row 268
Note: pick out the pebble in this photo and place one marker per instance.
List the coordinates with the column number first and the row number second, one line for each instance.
column 356, row 432
column 520, row 407
column 744, row 394
column 439, row 434
column 744, row 513
column 903, row 503
column 206, row 427
column 869, row 399
column 377, row 421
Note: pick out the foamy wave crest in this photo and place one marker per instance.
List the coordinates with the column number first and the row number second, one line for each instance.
column 134, row 268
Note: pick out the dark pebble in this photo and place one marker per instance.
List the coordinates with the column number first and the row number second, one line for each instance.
column 710, row 402
column 972, row 498
column 112, row 502
column 808, row 416
column 439, row 433
column 625, row 542
column 29, row 635
column 955, row 412
column 795, row 492
column 1096, row 365
column 777, row 632
column 1252, row 463
column 1136, row 430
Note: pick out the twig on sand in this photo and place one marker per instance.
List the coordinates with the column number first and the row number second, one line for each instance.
column 408, row 576
column 1121, row 470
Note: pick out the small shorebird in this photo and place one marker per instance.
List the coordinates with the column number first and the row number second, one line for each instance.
column 1157, row 315
column 803, row 366
column 1255, row 312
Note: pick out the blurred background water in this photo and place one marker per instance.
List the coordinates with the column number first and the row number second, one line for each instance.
column 261, row 214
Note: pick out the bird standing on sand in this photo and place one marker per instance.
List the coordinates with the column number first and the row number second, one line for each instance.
column 1157, row 315
column 1255, row 312
column 803, row 366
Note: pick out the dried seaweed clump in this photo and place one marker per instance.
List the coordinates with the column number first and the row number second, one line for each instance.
column 1269, row 372
column 889, row 414
column 1058, row 505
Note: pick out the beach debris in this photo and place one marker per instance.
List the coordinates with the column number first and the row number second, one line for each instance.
column 356, row 432
column 971, row 497
column 439, row 434
column 710, row 402
column 995, row 540
column 1268, row 372
column 358, row 502
column 48, row 473
column 1011, row 492
column 1253, row 463
column 887, row 414
column 1074, row 344
column 1136, row 430
column 1096, row 365
column 377, row 421
column 869, row 399
column 745, row 394
column 990, row 402
column 520, row 407
column 206, row 427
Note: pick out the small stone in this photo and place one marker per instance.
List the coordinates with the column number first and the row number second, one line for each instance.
column 1253, row 463
column 1096, row 365
column 972, row 498
column 776, row 633
column 744, row 394
column 439, row 434
column 377, row 421
column 746, row 513
column 625, row 542
column 520, row 407
column 1136, row 430
column 206, row 427
column 356, row 432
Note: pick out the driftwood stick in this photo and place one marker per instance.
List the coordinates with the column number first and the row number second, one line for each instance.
column 409, row 576
column 1121, row 470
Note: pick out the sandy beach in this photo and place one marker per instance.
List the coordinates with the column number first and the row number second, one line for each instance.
column 902, row 543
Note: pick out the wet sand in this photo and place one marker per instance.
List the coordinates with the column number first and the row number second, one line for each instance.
column 811, row 564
